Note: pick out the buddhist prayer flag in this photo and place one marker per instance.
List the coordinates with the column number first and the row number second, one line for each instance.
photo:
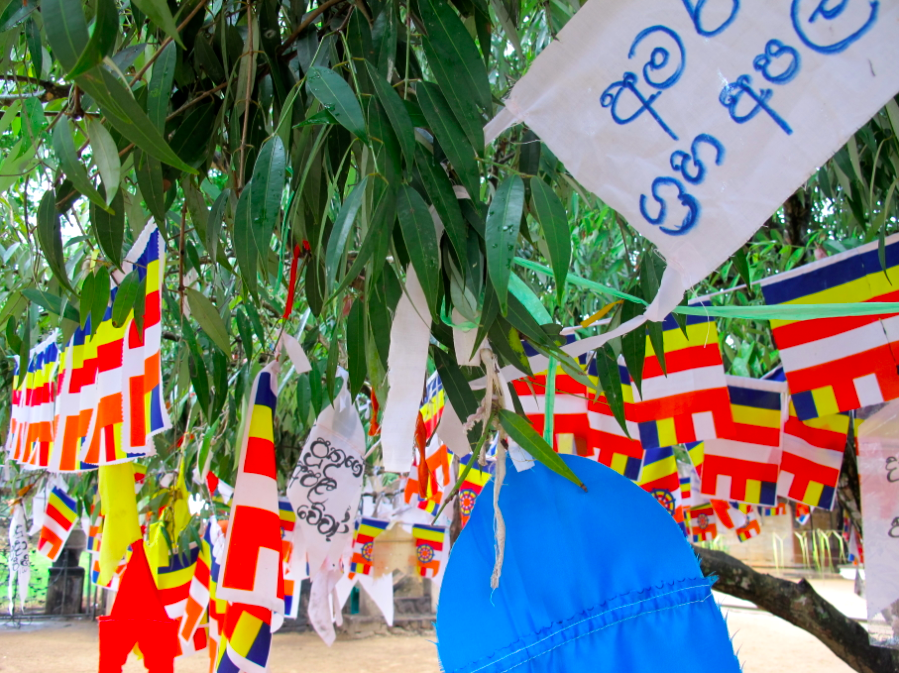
column 121, row 526
column 213, row 538
column 143, row 400
column 286, row 514
column 696, row 451
column 744, row 465
column 251, row 566
column 703, row 523
column 803, row 514
column 130, row 407
column 612, row 446
column 842, row 363
column 474, row 482
column 659, row 478
column 367, row 530
column 433, row 403
column 192, row 627
column 689, row 403
column 75, row 401
column 749, row 530
column 30, row 438
column 812, row 457
column 246, row 640
column 60, row 517
column 778, row 510
column 428, row 545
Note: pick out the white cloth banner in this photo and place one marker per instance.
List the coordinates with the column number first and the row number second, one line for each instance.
column 878, row 468
column 19, row 561
column 326, row 484
column 696, row 120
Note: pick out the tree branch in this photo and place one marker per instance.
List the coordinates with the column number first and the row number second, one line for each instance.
column 802, row 606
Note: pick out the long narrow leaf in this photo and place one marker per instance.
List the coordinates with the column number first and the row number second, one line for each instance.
column 523, row 434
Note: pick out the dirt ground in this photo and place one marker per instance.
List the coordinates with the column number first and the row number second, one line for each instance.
column 765, row 644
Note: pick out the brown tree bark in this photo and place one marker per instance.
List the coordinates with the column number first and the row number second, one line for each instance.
column 802, row 606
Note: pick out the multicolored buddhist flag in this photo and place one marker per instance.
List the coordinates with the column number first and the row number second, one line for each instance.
column 659, row 478
column 744, row 464
column 367, row 530
column 839, row 364
column 74, row 403
column 246, row 640
column 433, row 403
column 803, row 514
column 703, row 523
column 611, row 445
column 30, row 438
column 192, row 627
column 749, row 530
column 128, row 366
column 428, row 545
column 475, row 481
column 689, row 403
column 778, row 510
column 214, row 539
column 251, row 572
column 60, row 517
column 291, row 584
column 812, row 458
column 571, row 426
column 143, row 398
column 696, row 451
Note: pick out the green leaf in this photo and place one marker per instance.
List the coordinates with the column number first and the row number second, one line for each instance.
column 110, row 229
column 633, row 344
column 440, row 191
column 15, row 13
column 341, row 231
column 51, row 302
column 265, row 193
column 456, row 53
column 197, row 368
column 33, row 38
column 159, row 90
column 449, row 134
column 610, row 380
column 455, row 384
column 320, row 117
column 125, row 298
column 191, row 138
column 421, row 241
column 102, row 40
column 355, row 346
column 244, row 243
column 506, row 341
column 396, row 113
column 86, row 299
column 214, row 223
column 149, row 178
column 64, row 147
column 380, row 231
column 255, row 322
column 66, row 30
column 125, row 114
column 741, row 263
column 158, row 12
column 503, row 222
column 651, row 269
column 338, row 98
column 210, row 321
column 100, row 300
column 553, row 220
column 331, row 368
column 106, row 157
column 246, row 336
column 522, row 433
column 49, row 237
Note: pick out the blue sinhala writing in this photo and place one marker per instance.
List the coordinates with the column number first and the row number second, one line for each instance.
column 697, row 10
column 659, row 60
column 682, row 161
column 733, row 93
column 692, row 205
column 850, row 27
column 779, row 64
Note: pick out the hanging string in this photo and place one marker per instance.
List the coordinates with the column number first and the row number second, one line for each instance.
column 499, row 524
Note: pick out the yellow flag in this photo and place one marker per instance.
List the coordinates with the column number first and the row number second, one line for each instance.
column 121, row 526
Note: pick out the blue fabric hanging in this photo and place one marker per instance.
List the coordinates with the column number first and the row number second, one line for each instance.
column 596, row 581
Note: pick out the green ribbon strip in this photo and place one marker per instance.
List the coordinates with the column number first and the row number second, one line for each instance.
column 549, row 402
column 775, row 312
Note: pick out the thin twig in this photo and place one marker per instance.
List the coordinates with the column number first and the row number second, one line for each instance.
column 308, row 21
column 166, row 42
column 246, row 109
column 196, row 100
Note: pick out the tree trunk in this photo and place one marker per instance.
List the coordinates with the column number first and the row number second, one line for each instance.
column 802, row 606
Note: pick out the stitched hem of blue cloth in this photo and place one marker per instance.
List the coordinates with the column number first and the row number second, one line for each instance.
column 620, row 609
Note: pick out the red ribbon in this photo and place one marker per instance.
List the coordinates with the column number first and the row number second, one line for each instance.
column 292, row 283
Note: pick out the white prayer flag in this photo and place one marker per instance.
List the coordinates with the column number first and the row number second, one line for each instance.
column 697, row 120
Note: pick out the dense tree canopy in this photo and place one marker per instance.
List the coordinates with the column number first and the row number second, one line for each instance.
column 295, row 158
